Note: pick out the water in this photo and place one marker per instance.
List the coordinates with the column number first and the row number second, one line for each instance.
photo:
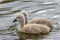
column 40, row 8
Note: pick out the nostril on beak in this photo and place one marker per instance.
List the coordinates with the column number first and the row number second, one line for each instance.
column 14, row 20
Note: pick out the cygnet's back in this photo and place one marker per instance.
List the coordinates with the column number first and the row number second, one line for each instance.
column 35, row 28
column 41, row 21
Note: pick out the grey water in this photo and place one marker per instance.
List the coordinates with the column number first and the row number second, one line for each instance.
column 36, row 8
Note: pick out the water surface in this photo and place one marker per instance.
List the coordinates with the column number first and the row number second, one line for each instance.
column 37, row 9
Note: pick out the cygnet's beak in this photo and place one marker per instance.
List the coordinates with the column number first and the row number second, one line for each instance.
column 15, row 20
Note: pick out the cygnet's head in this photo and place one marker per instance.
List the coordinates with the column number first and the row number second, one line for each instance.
column 24, row 13
column 19, row 17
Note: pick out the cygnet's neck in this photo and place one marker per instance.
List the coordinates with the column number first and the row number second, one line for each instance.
column 26, row 19
column 20, row 25
column 21, row 20
column 25, row 16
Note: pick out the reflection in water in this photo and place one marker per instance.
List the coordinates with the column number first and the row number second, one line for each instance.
column 48, row 9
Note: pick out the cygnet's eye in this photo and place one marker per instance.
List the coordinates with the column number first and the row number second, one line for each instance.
column 17, row 17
